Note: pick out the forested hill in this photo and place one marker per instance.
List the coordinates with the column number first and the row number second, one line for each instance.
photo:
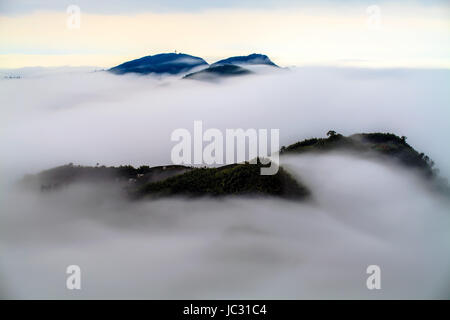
column 242, row 178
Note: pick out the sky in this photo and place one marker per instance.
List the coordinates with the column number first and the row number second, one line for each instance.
column 302, row 33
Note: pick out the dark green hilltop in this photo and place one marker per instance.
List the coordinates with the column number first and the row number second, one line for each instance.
column 241, row 178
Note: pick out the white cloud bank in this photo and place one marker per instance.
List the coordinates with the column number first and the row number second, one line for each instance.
column 87, row 118
column 363, row 212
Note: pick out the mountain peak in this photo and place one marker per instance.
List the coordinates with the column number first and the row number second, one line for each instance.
column 252, row 59
column 168, row 63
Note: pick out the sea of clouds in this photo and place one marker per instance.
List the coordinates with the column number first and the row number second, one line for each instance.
column 363, row 211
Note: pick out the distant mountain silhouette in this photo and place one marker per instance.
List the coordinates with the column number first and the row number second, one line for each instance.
column 164, row 63
column 211, row 73
column 178, row 63
column 252, row 59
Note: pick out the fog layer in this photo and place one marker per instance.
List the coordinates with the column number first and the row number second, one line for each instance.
column 88, row 118
column 362, row 212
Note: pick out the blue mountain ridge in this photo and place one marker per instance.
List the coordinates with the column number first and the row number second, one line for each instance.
column 177, row 63
column 252, row 59
column 169, row 63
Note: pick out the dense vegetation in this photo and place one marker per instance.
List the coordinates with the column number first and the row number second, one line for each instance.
column 236, row 179
column 125, row 175
column 385, row 144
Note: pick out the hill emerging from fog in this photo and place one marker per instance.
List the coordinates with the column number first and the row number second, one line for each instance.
column 242, row 178
column 180, row 63
column 231, row 67
column 368, row 144
column 164, row 63
column 252, row 59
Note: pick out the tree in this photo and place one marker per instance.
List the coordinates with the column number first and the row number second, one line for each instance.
column 331, row 133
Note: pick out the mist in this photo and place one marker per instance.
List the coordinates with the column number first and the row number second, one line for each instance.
column 96, row 117
column 362, row 211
